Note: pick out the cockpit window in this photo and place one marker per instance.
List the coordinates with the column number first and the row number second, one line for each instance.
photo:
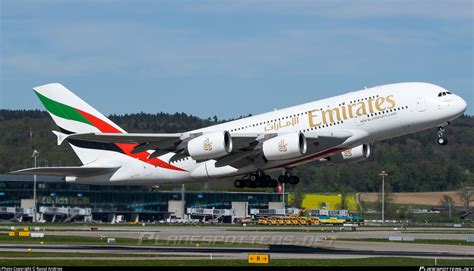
column 444, row 93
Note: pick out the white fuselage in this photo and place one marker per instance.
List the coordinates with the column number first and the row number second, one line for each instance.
column 371, row 115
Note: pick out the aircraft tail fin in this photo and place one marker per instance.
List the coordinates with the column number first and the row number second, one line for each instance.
column 72, row 115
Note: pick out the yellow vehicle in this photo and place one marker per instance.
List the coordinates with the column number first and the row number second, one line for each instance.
column 291, row 220
column 304, row 218
column 333, row 220
column 246, row 221
column 281, row 220
column 273, row 221
column 314, row 220
column 263, row 221
column 303, row 221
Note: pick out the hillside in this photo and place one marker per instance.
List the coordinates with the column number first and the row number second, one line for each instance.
column 415, row 162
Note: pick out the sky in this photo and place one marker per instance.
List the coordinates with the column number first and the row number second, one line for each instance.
column 229, row 58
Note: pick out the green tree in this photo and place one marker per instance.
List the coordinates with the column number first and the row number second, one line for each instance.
column 466, row 194
column 298, row 197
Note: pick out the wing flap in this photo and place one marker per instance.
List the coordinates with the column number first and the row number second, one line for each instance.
column 234, row 158
column 66, row 171
column 320, row 141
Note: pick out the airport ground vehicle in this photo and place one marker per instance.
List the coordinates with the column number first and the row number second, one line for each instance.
column 307, row 217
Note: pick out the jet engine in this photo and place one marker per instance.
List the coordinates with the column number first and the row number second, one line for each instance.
column 210, row 146
column 355, row 154
column 283, row 147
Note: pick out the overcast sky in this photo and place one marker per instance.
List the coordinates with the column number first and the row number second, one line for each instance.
column 229, row 58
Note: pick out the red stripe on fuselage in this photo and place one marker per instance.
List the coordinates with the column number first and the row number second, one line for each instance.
column 104, row 127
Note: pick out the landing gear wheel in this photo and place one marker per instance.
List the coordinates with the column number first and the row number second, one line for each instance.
column 282, row 179
column 239, row 183
column 258, row 179
column 263, row 181
column 442, row 140
column 293, row 180
column 259, row 182
column 273, row 183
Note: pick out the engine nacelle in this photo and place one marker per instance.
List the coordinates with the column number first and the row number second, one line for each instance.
column 286, row 146
column 355, row 154
column 210, row 146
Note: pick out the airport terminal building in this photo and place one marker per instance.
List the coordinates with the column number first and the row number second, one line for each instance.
column 104, row 202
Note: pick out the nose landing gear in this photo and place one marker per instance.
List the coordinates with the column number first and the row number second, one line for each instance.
column 442, row 140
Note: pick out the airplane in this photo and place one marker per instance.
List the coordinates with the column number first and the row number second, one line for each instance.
column 338, row 129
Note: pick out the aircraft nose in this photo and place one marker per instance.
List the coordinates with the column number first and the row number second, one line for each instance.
column 461, row 104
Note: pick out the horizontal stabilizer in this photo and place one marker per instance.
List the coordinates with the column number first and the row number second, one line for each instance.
column 60, row 137
column 66, row 171
column 125, row 138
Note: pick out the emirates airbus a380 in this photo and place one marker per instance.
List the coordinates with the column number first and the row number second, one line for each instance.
column 339, row 129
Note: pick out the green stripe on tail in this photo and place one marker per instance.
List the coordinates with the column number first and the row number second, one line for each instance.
column 61, row 110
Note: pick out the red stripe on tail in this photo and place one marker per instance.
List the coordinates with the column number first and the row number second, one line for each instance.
column 104, row 127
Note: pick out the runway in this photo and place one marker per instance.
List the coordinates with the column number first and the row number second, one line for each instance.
column 264, row 235
column 235, row 242
column 282, row 252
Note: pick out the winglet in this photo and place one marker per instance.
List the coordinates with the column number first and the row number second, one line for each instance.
column 61, row 136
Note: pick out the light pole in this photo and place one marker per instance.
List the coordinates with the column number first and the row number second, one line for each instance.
column 283, row 194
column 35, row 156
column 383, row 174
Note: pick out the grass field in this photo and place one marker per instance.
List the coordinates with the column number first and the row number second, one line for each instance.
column 376, row 261
column 417, row 241
column 34, row 254
column 416, row 198
column 83, row 240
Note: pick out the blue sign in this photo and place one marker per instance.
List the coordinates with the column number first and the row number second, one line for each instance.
column 53, row 194
column 79, row 195
column 2, row 193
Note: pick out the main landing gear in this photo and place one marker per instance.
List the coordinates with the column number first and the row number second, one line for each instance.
column 442, row 140
column 255, row 180
column 288, row 178
column 260, row 179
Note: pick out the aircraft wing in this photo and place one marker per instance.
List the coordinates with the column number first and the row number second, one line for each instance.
column 247, row 146
column 160, row 143
column 65, row 171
